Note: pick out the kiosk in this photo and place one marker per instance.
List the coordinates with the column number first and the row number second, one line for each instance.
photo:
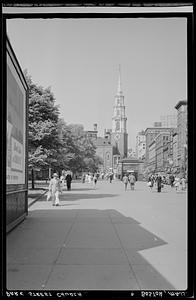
column 16, row 141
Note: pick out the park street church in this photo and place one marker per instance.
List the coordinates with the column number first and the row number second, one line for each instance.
column 114, row 145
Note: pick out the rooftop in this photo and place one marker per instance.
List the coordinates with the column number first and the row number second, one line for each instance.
column 180, row 103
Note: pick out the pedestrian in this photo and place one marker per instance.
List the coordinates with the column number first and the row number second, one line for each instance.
column 89, row 178
column 172, row 179
column 83, row 178
column 177, row 183
column 151, row 181
column 68, row 179
column 159, row 183
column 111, row 177
column 86, row 178
column 183, row 183
column 62, row 179
column 55, row 189
column 132, row 181
column 95, row 180
column 125, row 180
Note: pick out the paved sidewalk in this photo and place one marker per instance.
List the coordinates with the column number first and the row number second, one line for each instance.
column 36, row 194
column 101, row 239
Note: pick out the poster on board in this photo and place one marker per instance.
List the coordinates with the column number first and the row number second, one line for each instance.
column 16, row 128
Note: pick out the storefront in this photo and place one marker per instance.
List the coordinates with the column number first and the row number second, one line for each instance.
column 128, row 165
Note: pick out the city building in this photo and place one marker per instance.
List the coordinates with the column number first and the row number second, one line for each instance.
column 175, row 152
column 141, row 145
column 169, row 120
column 163, row 151
column 119, row 136
column 152, row 157
column 151, row 133
column 92, row 134
column 181, row 108
column 131, row 153
column 104, row 150
column 157, row 124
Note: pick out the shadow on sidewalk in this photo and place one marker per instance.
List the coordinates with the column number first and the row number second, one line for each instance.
column 52, row 248
column 69, row 196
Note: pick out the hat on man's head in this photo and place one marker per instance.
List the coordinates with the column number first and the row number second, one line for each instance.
column 55, row 175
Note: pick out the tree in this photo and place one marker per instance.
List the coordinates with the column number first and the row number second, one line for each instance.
column 78, row 152
column 43, row 140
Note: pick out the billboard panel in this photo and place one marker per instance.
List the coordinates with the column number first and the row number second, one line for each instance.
column 16, row 128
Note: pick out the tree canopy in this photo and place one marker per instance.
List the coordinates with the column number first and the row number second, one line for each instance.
column 52, row 142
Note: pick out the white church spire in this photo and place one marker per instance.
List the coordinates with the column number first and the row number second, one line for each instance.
column 119, row 91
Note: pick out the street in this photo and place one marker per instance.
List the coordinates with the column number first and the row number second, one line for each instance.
column 102, row 239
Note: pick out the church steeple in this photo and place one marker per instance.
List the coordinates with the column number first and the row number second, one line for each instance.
column 119, row 91
column 119, row 121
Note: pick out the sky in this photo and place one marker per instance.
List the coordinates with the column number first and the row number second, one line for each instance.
column 79, row 59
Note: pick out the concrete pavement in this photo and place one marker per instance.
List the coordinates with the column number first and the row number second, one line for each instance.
column 102, row 239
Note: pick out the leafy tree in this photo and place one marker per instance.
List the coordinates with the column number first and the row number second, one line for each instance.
column 78, row 152
column 43, row 140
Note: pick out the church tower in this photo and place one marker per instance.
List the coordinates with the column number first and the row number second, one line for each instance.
column 119, row 123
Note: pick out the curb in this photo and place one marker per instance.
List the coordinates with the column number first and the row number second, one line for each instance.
column 36, row 199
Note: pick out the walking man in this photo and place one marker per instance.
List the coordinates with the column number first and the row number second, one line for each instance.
column 132, row 181
column 159, row 183
column 125, row 180
column 55, row 189
column 111, row 177
column 95, row 180
column 68, row 178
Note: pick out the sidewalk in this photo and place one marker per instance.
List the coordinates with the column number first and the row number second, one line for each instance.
column 102, row 239
column 36, row 193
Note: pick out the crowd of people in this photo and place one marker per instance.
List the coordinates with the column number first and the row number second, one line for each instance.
column 158, row 180
column 154, row 181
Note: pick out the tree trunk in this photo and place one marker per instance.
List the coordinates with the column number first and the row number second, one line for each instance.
column 32, row 179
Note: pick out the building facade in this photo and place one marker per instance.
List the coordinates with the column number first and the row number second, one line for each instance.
column 152, row 157
column 163, row 151
column 141, row 145
column 181, row 108
column 104, row 150
column 151, row 134
column 175, row 152
column 169, row 120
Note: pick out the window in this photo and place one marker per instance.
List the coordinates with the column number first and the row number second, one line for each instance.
column 117, row 125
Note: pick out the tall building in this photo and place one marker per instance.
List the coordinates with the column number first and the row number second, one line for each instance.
column 169, row 120
column 175, row 151
column 181, row 108
column 119, row 136
column 151, row 133
column 141, row 145
column 163, row 151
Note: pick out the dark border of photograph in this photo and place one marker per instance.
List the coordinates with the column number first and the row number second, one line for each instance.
column 191, row 136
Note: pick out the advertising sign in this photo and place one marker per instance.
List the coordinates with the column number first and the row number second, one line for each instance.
column 16, row 128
